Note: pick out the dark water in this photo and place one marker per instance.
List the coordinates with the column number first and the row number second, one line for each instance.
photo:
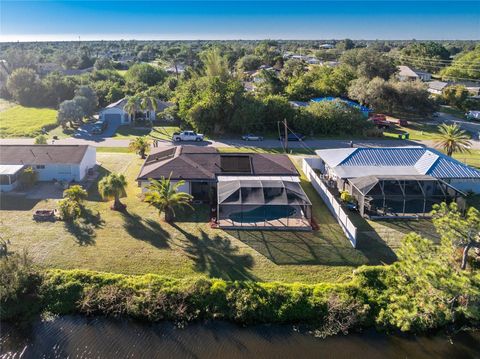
column 80, row 337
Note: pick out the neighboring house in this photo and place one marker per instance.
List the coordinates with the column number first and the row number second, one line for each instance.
column 52, row 162
column 45, row 68
column 327, row 46
column 172, row 70
column 116, row 112
column 298, row 104
column 436, row 87
column 405, row 73
column 248, row 190
column 397, row 181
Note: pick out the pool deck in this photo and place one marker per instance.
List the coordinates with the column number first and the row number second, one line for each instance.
column 287, row 224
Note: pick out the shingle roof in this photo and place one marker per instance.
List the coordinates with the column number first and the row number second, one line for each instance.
column 161, row 105
column 358, row 162
column 41, row 154
column 204, row 163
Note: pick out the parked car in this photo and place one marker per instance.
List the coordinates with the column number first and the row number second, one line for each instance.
column 252, row 137
column 187, row 136
column 99, row 127
column 292, row 137
column 473, row 115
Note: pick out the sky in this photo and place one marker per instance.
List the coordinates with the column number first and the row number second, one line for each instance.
column 46, row 20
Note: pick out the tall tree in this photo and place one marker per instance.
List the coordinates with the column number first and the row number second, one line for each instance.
column 132, row 106
column 23, row 84
column 90, row 106
column 140, row 145
column 214, row 63
column 165, row 196
column 453, row 139
column 456, row 229
column 113, row 187
column 69, row 112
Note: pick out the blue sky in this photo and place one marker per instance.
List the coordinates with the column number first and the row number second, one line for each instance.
column 387, row 19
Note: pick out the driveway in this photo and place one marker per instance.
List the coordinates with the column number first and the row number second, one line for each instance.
column 84, row 132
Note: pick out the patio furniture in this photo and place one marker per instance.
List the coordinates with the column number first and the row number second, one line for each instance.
column 45, row 215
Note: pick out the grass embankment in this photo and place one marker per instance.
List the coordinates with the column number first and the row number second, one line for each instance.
column 20, row 121
column 139, row 242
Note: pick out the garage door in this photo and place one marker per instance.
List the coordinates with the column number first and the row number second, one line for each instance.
column 113, row 117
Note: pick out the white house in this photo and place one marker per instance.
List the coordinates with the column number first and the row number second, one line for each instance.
column 116, row 112
column 436, row 87
column 405, row 73
column 51, row 162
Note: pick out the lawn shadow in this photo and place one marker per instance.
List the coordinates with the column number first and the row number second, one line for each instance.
column 9, row 202
column 199, row 214
column 83, row 229
column 423, row 227
column 93, row 194
column 373, row 246
column 301, row 248
column 146, row 230
column 216, row 256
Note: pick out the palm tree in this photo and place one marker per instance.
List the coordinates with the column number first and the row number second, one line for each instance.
column 453, row 139
column 131, row 107
column 113, row 186
column 148, row 103
column 165, row 197
column 75, row 193
column 140, row 145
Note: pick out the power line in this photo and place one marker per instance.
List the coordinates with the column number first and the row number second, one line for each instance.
column 435, row 59
column 438, row 61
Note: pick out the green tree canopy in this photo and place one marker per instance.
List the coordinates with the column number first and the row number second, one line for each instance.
column 146, row 74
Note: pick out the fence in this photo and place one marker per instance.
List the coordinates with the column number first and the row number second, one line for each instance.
column 332, row 203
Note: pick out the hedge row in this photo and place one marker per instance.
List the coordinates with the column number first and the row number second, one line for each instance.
column 330, row 308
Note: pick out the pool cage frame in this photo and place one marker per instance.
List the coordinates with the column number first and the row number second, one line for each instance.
column 401, row 196
column 241, row 197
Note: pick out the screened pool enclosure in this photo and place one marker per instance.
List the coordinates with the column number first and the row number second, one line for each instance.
column 400, row 196
column 267, row 202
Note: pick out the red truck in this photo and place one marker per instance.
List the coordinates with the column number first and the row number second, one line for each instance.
column 380, row 120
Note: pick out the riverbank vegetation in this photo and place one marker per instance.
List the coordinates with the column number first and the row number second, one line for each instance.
column 424, row 290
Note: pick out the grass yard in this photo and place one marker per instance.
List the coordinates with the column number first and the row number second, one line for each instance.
column 157, row 132
column 471, row 158
column 20, row 121
column 138, row 242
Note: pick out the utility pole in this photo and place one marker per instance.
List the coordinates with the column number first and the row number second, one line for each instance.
column 286, row 134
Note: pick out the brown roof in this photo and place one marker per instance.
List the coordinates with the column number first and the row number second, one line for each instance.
column 41, row 154
column 205, row 163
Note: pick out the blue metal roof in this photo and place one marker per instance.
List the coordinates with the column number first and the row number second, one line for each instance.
column 433, row 163
column 384, row 157
column 346, row 101
column 446, row 167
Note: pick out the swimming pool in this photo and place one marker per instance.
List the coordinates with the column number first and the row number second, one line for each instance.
column 263, row 213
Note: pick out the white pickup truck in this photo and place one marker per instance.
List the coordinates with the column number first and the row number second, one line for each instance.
column 187, row 136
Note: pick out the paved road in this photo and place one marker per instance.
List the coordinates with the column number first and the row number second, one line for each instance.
column 101, row 141
column 313, row 144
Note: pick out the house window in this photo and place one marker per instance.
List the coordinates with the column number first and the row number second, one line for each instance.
column 40, row 167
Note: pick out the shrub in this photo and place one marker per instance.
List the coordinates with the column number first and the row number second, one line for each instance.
column 28, row 178
column 69, row 209
column 41, row 140
column 19, row 282
column 346, row 197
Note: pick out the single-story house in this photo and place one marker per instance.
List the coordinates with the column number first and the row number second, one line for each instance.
column 116, row 112
column 51, row 162
column 326, row 46
column 397, row 181
column 436, row 87
column 405, row 73
column 247, row 190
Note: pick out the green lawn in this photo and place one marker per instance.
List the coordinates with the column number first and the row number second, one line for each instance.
column 471, row 158
column 156, row 132
column 138, row 242
column 417, row 131
column 20, row 121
